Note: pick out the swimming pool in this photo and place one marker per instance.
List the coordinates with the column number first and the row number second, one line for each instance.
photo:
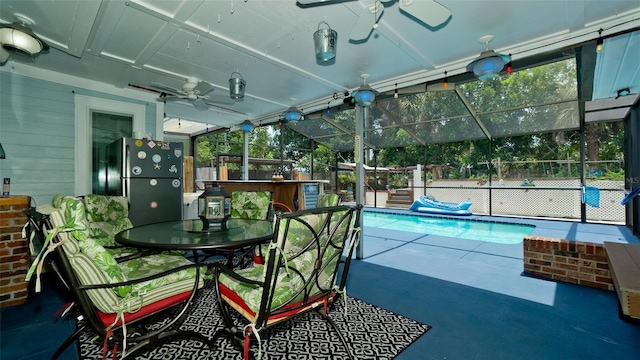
column 495, row 232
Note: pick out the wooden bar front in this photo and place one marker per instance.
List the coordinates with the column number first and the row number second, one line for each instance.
column 283, row 191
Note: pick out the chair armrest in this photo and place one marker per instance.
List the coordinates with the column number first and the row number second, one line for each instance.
column 139, row 280
column 220, row 268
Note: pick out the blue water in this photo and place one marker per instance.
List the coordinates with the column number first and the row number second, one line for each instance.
column 500, row 233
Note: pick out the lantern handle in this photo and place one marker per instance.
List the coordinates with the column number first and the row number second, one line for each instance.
column 235, row 72
column 324, row 22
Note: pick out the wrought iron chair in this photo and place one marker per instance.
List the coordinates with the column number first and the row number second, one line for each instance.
column 110, row 295
column 248, row 205
column 300, row 273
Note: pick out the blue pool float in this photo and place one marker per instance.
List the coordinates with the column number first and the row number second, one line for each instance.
column 428, row 205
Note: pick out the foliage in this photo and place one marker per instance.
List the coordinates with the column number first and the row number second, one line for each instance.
column 499, row 121
column 347, row 179
column 398, row 181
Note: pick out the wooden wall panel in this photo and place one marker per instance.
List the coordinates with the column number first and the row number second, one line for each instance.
column 37, row 131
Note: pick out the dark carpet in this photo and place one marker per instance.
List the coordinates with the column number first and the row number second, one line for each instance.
column 372, row 333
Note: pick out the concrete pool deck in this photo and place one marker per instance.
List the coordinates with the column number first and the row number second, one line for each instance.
column 460, row 260
column 480, row 303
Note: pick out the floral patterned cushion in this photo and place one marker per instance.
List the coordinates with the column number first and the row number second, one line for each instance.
column 153, row 264
column 71, row 221
column 250, row 204
column 325, row 200
column 107, row 216
column 107, row 301
column 300, row 253
column 73, row 226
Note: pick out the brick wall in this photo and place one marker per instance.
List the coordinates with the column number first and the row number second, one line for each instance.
column 575, row 262
column 14, row 251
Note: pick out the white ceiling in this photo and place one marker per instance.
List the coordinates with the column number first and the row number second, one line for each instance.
column 270, row 43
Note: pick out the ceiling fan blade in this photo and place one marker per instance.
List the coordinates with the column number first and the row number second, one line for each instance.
column 426, row 11
column 165, row 88
column 202, row 88
column 220, row 99
column 310, row 2
column 169, row 97
column 200, row 104
column 368, row 17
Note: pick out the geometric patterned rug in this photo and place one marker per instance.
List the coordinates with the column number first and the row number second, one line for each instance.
column 372, row 333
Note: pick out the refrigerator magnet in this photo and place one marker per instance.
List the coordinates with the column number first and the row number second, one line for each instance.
column 175, row 183
column 173, row 169
column 151, row 144
column 142, row 155
column 153, row 182
column 156, row 158
column 153, row 204
column 136, row 170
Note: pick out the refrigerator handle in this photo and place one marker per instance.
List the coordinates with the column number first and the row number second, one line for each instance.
column 126, row 187
column 126, row 171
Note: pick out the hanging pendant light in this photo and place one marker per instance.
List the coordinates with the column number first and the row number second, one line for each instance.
column 292, row 113
column 246, row 126
column 364, row 95
column 489, row 64
column 236, row 86
column 325, row 42
column 599, row 42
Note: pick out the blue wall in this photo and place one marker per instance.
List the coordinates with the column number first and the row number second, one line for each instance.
column 37, row 132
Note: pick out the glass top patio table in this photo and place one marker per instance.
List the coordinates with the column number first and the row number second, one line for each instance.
column 190, row 235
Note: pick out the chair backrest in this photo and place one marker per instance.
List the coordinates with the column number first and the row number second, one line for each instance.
column 325, row 200
column 107, row 293
column 90, row 257
column 107, row 216
column 251, row 204
column 303, row 261
column 74, row 267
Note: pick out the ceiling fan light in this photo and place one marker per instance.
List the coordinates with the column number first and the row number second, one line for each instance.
column 19, row 37
column 488, row 65
column 292, row 114
column 364, row 95
column 246, row 126
column 325, row 42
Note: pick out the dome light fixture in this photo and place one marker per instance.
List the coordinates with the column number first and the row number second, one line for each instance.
column 489, row 64
column 20, row 38
column 246, row 126
column 292, row 113
column 364, row 95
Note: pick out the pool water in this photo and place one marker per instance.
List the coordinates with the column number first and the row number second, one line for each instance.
column 501, row 233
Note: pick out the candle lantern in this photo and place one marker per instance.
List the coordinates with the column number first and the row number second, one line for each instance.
column 213, row 207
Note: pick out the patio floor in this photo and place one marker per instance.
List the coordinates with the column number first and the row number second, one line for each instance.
column 473, row 293
column 480, row 304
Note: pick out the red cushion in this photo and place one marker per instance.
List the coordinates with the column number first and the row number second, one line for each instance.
column 286, row 311
column 109, row 318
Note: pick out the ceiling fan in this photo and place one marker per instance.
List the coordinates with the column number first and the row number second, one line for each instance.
column 428, row 12
column 196, row 91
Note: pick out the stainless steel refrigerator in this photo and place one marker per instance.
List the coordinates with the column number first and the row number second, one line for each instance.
column 149, row 173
